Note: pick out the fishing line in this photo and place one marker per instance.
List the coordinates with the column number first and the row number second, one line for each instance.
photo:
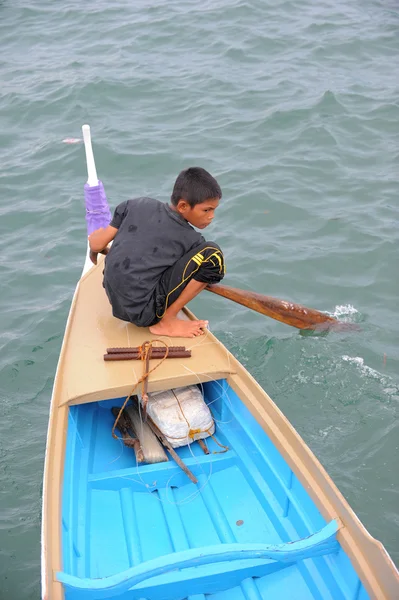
column 141, row 482
column 215, row 399
column 196, row 492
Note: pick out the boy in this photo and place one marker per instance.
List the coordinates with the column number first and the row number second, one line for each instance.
column 158, row 261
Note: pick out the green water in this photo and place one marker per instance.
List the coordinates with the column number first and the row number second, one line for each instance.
column 293, row 106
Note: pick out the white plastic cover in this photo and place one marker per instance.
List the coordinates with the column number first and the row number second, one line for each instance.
column 181, row 414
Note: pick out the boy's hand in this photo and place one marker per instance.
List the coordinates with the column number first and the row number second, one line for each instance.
column 93, row 255
column 100, row 238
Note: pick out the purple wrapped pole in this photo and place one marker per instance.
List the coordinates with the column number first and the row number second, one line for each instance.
column 98, row 213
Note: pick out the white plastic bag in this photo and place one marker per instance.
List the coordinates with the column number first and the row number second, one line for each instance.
column 181, row 414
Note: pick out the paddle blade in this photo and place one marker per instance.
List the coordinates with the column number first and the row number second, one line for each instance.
column 290, row 313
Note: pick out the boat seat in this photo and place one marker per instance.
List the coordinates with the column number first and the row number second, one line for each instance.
column 263, row 559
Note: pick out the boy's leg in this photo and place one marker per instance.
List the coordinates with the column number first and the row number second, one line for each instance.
column 171, row 325
column 181, row 283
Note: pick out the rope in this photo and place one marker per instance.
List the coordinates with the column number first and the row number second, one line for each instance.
column 144, row 352
column 226, row 448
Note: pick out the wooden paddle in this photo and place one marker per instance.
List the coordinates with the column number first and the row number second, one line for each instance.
column 292, row 314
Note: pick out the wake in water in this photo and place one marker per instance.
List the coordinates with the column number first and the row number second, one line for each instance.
column 389, row 387
column 343, row 311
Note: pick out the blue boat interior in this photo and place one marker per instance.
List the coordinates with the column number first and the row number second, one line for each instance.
column 248, row 530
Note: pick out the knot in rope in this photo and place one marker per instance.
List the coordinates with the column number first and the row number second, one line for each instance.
column 145, row 350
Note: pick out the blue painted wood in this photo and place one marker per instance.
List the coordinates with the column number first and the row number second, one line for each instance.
column 318, row 544
column 160, row 472
column 130, row 520
column 250, row 590
column 205, row 580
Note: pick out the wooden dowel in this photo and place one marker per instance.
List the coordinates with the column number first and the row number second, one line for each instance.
column 179, row 461
column 137, row 349
column 171, row 450
column 137, row 356
column 152, row 352
column 203, row 446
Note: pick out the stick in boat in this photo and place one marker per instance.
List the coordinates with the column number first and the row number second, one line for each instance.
column 171, row 450
column 287, row 312
column 137, row 356
column 202, row 445
column 154, row 350
column 124, row 425
column 133, row 408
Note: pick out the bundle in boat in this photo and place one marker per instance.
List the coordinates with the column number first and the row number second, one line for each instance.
column 174, row 418
column 181, row 415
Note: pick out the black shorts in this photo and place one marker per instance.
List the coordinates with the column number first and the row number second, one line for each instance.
column 205, row 263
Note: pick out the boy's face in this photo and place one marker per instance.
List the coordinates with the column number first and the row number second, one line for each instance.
column 200, row 215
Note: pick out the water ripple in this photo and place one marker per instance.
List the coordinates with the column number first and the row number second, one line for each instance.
column 294, row 107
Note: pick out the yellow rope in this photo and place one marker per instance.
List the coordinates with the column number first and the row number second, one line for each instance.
column 226, row 448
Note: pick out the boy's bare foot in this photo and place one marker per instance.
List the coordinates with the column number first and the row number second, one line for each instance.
column 174, row 327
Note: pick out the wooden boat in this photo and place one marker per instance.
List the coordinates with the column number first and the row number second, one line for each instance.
column 264, row 519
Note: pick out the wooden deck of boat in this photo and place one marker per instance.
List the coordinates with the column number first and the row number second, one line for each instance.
column 88, row 378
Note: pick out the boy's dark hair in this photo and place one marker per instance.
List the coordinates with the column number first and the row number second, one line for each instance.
column 195, row 185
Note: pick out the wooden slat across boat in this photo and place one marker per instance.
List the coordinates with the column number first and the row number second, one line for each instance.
column 264, row 520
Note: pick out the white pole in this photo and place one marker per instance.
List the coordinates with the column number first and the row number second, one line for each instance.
column 92, row 178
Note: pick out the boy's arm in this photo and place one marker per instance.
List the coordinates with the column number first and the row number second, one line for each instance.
column 99, row 240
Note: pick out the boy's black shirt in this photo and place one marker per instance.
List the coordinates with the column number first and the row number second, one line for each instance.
column 151, row 237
